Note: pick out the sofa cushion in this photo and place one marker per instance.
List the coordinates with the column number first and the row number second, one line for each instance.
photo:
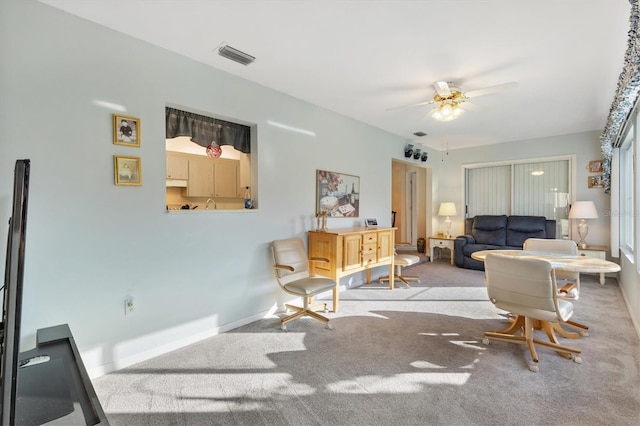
column 490, row 230
column 519, row 228
column 469, row 249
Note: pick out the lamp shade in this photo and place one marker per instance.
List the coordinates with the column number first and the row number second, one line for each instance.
column 583, row 210
column 447, row 209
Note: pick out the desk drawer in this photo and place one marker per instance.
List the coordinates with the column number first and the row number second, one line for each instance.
column 369, row 238
column 368, row 258
column 369, row 251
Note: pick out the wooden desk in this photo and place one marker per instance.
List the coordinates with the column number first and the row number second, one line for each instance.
column 351, row 250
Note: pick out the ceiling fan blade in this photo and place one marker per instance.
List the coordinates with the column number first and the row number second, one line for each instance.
column 469, row 106
column 442, row 88
column 492, row 89
column 411, row 105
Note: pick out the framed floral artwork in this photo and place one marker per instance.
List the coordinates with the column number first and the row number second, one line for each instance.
column 337, row 194
column 126, row 130
column 127, row 170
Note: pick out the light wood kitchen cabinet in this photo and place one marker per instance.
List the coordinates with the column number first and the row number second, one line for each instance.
column 225, row 178
column 213, row 177
column 177, row 166
column 200, row 182
column 351, row 250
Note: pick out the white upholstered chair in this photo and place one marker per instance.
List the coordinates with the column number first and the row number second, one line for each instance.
column 570, row 290
column 291, row 266
column 400, row 261
column 526, row 287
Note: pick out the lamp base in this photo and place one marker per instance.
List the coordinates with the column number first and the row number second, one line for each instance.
column 583, row 230
column 447, row 226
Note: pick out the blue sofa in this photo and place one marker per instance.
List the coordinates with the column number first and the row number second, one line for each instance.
column 494, row 232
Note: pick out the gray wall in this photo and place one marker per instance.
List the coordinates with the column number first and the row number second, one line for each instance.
column 449, row 178
column 90, row 243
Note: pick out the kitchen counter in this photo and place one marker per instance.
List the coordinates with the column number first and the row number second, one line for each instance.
column 203, row 211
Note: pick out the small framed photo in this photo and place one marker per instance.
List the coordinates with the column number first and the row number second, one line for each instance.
column 127, row 170
column 371, row 222
column 595, row 166
column 126, row 130
column 596, row 181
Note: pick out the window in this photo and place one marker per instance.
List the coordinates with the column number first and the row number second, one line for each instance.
column 208, row 162
column 539, row 188
column 626, row 192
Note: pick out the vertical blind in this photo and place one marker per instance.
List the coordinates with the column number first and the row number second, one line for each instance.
column 488, row 190
column 536, row 189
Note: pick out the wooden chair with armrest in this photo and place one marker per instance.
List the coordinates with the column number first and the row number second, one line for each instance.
column 571, row 288
column 291, row 265
column 526, row 287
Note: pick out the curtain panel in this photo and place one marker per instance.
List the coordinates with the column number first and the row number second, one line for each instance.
column 206, row 130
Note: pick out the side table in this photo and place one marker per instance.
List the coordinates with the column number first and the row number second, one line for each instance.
column 598, row 252
column 441, row 243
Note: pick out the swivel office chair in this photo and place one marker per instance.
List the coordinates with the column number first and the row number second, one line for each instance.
column 526, row 287
column 571, row 288
column 291, row 266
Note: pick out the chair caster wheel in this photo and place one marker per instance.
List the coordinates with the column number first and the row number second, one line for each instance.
column 577, row 359
column 534, row 368
column 485, row 341
column 584, row 333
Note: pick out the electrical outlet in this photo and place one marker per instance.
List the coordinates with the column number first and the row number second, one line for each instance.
column 128, row 305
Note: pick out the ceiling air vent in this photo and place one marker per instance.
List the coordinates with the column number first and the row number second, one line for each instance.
column 235, row 55
column 420, row 134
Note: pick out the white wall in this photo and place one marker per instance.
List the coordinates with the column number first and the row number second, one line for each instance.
column 90, row 243
column 449, row 178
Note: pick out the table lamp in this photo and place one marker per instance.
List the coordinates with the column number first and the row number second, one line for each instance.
column 447, row 209
column 583, row 210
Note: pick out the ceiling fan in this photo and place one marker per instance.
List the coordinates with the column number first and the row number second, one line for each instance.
column 452, row 101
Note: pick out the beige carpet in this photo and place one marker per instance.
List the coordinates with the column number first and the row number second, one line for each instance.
column 402, row 357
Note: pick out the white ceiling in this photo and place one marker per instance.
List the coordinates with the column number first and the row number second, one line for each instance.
column 359, row 58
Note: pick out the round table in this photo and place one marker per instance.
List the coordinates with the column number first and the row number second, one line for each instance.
column 565, row 262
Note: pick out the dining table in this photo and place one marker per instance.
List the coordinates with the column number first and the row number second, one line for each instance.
column 558, row 261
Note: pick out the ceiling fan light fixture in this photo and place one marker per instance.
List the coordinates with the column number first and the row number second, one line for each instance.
column 447, row 112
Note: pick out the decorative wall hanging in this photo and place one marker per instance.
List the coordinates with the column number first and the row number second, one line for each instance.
column 126, row 130
column 337, row 194
column 127, row 170
column 595, row 166
column 625, row 98
column 595, row 181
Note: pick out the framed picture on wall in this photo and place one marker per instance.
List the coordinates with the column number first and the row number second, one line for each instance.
column 596, row 181
column 595, row 166
column 127, row 170
column 126, row 130
column 337, row 194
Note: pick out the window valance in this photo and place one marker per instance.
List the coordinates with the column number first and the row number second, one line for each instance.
column 205, row 130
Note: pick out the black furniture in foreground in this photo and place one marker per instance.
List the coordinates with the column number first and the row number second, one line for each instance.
column 498, row 232
column 58, row 390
